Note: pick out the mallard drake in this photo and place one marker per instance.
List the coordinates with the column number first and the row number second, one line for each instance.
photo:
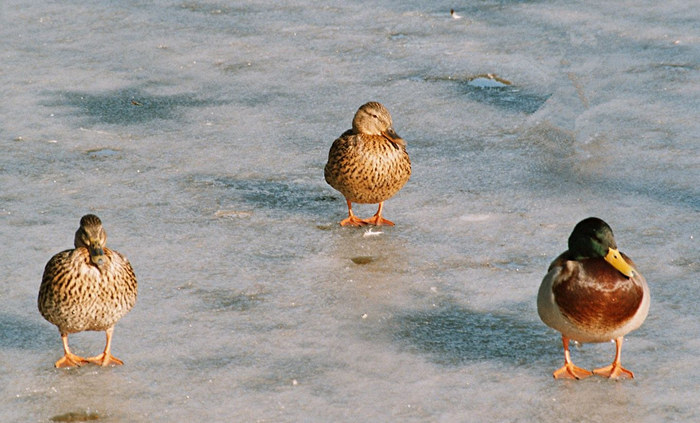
column 593, row 293
column 368, row 164
column 87, row 288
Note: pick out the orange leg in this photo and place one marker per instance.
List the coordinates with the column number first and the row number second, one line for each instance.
column 569, row 371
column 352, row 220
column 377, row 219
column 106, row 358
column 615, row 370
column 69, row 359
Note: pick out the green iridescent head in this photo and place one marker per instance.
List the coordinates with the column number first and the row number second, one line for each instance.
column 593, row 238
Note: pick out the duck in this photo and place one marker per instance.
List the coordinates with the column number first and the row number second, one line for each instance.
column 593, row 293
column 368, row 164
column 88, row 288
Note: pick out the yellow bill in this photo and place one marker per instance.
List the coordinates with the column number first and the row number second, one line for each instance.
column 615, row 258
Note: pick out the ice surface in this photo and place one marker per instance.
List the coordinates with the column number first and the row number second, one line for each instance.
column 198, row 132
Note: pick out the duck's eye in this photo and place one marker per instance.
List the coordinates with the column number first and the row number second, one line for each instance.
column 374, row 116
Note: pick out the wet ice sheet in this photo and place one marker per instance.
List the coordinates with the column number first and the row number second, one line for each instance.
column 198, row 132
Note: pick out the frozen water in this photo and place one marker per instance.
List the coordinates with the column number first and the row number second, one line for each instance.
column 198, row 132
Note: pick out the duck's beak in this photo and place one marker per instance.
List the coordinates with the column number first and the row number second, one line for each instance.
column 97, row 255
column 615, row 258
column 393, row 137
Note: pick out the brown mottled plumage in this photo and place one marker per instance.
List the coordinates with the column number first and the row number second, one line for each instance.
column 87, row 288
column 368, row 164
column 593, row 293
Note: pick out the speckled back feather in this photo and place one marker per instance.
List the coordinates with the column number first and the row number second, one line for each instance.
column 364, row 167
column 76, row 296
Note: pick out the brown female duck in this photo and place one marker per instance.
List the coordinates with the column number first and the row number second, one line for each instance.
column 368, row 164
column 593, row 293
column 87, row 288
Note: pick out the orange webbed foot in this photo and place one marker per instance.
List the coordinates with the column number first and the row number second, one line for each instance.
column 105, row 360
column 614, row 371
column 70, row 360
column 378, row 221
column 569, row 371
column 352, row 221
